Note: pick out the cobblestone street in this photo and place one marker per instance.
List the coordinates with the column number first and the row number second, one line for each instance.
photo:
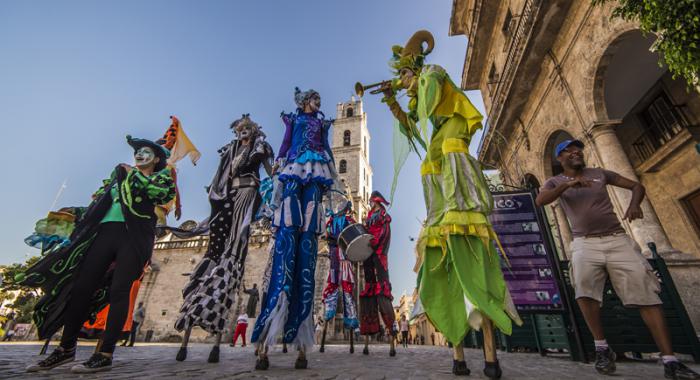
column 156, row 361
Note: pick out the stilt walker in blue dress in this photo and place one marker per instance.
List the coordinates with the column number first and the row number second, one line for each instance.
column 306, row 173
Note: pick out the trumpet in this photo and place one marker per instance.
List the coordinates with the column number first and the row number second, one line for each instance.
column 381, row 86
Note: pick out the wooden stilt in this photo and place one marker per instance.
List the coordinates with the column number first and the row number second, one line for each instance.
column 323, row 337
column 352, row 341
column 182, row 353
column 45, row 346
column 489, row 340
column 98, row 346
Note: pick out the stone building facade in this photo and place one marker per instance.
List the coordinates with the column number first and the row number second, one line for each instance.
column 174, row 259
column 350, row 145
column 552, row 70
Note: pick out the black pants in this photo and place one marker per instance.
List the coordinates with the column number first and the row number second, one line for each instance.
column 404, row 338
column 134, row 330
column 110, row 246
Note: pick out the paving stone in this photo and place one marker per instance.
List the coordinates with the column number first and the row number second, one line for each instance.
column 157, row 361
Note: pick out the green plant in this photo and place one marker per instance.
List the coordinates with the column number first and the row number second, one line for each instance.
column 23, row 304
column 677, row 26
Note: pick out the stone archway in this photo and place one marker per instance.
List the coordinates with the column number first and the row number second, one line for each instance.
column 625, row 71
column 530, row 182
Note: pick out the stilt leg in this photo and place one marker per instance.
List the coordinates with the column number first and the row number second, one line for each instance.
column 284, row 347
column 352, row 341
column 392, row 344
column 491, row 368
column 263, row 362
column 45, row 346
column 323, row 337
column 214, row 353
column 459, row 365
column 366, row 350
column 182, row 353
column 301, row 362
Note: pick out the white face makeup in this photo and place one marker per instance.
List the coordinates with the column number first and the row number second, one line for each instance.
column 244, row 132
column 315, row 103
column 144, row 156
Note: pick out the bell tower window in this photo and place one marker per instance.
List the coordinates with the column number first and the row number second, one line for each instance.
column 346, row 138
column 349, row 112
column 343, row 166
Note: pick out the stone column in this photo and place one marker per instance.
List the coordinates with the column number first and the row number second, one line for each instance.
column 564, row 228
column 613, row 157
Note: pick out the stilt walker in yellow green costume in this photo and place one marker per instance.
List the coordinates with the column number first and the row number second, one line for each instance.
column 460, row 281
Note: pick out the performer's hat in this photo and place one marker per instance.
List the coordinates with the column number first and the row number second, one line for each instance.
column 161, row 152
column 378, row 197
column 412, row 55
column 565, row 144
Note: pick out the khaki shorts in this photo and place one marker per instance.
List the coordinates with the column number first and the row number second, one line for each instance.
column 618, row 256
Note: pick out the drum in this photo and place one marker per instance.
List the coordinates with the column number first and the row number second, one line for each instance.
column 354, row 241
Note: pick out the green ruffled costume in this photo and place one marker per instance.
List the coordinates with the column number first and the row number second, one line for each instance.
column 459, row 276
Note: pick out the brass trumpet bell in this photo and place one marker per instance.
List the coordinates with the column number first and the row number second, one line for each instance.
column 360, row 88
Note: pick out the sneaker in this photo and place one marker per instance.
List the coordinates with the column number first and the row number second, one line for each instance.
column 96, row 363
column 58, row 357
column 605, row 361
column 679, row 371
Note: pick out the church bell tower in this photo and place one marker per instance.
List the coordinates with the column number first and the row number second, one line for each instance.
column 351, row 152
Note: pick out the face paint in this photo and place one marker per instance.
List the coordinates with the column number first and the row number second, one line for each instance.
column 315, row 103
column 244, row 132
column 144, row 156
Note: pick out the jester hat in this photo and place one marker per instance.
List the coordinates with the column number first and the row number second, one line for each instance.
column 412, row 55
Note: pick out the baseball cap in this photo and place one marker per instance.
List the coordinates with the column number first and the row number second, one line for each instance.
column 565, row 144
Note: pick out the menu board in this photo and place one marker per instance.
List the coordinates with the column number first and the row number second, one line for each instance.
column 530, row 276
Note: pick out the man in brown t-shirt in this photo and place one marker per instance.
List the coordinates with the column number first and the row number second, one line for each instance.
column 602, row 249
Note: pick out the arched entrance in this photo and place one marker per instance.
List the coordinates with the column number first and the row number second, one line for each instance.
column 646, row 120
column 530, row 182
column 552, row 167
column 631, row 87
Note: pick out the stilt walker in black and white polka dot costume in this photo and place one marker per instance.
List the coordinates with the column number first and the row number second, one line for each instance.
column 235, row 199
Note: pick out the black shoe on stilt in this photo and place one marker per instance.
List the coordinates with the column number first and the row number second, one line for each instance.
column 301, row 363
column 492, row 370
column 459, row 368
column 392, row 352
column 181, row 354
column 213, row 355
column 96, row 363
column 58, row 357
column 284, row 349
column 365, row 351
column 262, row 363
column 352, row 350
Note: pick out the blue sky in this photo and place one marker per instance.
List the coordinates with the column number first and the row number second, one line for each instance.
column 77, row 76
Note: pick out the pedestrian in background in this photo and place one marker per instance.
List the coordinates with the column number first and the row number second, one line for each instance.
column 241, row 327
column 138, row 317
column 403, row 324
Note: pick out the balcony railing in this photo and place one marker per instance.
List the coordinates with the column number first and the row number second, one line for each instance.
column 663, row 121
column 653, row 139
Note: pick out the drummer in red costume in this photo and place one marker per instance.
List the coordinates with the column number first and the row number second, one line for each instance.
column 376, row 297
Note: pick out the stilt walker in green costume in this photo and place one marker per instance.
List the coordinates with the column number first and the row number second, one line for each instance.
column 460, row 281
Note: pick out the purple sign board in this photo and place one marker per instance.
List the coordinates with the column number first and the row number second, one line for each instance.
column 530, row 278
